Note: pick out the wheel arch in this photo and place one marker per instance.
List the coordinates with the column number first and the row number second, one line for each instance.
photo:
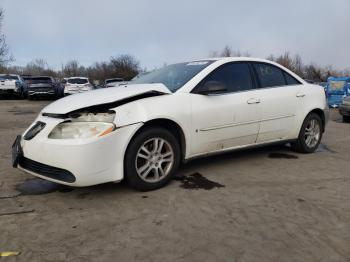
column 169, row 125
column 321, row 114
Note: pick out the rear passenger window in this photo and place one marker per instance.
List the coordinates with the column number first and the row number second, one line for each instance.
column 291, row 80
column 269, row 75
column 235, row 76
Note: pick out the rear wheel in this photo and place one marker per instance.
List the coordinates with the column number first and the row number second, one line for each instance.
column 151, row 159
column 310, row 134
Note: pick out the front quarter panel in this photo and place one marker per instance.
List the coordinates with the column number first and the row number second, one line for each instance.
column 174, row 107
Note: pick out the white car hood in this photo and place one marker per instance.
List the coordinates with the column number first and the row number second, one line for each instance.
column 101, row 96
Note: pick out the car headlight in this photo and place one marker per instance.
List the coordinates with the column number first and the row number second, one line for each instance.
column 34, row 130
column 85, row 125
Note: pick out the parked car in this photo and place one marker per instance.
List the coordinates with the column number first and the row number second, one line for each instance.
column 344, row 109
column 11, row 84
column 113, row 82
column 336, row 89
column 43, row 86
column 76, row 85
column 143, row 132
column 26, row 79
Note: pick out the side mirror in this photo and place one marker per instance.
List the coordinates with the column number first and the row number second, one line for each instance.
column 212, row 87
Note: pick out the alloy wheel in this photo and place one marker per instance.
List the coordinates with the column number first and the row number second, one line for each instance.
column 154, row 160
column 312, row 133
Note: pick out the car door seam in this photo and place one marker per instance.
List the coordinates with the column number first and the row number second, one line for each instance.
column 244, row 123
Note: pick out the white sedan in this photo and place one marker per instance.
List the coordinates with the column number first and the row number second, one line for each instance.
column 143, row 131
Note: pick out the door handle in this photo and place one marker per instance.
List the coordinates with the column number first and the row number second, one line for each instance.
column 300, row 95
column 253, row 101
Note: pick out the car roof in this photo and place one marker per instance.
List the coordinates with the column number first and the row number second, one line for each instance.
column 77, row 77
column 235, row 58
column 8, row 75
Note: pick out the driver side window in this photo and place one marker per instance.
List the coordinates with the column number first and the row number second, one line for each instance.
column 234, row 76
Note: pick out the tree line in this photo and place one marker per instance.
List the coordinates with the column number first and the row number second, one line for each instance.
column 122, row 66
column 308, row 71
column 127, row 66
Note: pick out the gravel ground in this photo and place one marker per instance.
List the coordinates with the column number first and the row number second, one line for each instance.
column 267, row 204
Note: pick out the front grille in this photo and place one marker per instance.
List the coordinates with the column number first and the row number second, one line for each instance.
column 47, row 171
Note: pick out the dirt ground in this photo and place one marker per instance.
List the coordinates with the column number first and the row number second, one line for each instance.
column 266, row 204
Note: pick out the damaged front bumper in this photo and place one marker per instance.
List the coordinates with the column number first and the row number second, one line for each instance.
column 73, row 162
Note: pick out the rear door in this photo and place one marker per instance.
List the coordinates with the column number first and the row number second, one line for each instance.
column 229, row 119
column 281, row 101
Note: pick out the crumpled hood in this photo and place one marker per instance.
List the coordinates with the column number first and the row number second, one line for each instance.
column 102, row 96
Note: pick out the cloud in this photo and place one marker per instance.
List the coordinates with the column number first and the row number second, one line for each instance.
column 158, row 31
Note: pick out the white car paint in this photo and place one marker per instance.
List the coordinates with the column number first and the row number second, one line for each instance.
column 116, row 84
column 210, row 124
column 7, row 85
column 100, row 96
column 75, row 88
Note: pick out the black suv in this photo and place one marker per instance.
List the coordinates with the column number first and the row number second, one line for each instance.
column 43, row 86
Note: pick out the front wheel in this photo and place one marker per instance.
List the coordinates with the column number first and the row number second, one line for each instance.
column 151, row 159
column 310, row 134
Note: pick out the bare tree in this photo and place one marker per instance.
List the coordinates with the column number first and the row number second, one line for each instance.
column 226, row 51
column 313, row 72
column 38, row 67
column 72, row 68
column 5, row 56
column 125, row 66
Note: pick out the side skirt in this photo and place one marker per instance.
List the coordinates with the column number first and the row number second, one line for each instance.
column 239, row 148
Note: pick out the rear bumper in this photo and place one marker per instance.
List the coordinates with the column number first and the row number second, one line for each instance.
column 344, row 110
column 72, row 92
column 9, row 91
column 49, row 92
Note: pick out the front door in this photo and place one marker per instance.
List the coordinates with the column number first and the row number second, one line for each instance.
column 229, row 119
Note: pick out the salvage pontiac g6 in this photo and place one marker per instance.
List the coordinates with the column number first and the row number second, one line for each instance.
column 141, row 132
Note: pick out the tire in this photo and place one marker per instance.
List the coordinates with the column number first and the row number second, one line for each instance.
column 149, row 171
column 21, row 94
column 305, row 143
column 346, row 118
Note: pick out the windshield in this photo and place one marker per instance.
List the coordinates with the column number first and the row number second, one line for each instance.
column 336, row 85
column 9, row 77
column 173, row 76
column 78, row 81
column 35, row 80
column 26, row 78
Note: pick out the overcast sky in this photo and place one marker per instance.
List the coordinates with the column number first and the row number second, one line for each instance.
column 161, row 31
